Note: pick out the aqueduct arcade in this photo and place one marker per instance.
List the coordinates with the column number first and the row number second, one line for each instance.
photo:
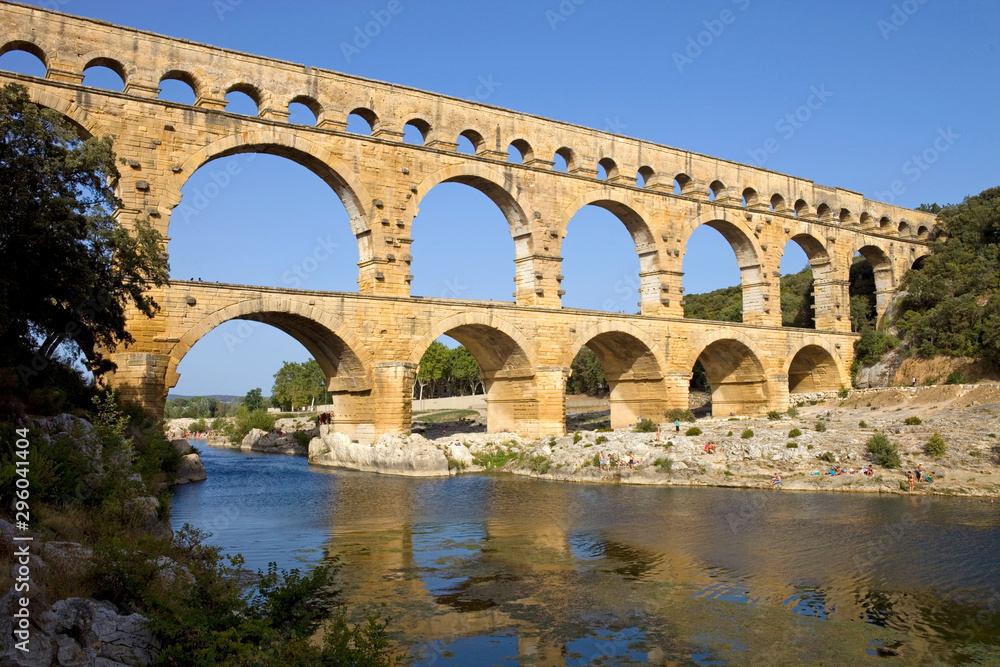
column 368, row 343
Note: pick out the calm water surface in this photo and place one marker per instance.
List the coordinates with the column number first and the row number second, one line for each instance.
column 501, row 570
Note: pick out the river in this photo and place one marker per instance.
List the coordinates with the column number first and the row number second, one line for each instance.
column 505, row 570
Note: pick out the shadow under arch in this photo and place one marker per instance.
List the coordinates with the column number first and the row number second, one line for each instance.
column 735, row 371
column 330, row 169
column 748, row 257
column 507, row 361
column 633, row 368
column 345, row 361
column 814, row 368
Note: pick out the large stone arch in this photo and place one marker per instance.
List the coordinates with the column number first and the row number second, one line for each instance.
column 827, row 279
column 749, row 256
column 346, row 362
column 495, row 184
column 629, row 212
column 634, row 368
column 815, row 365
column 885, row 273
column 336, row 173
column 737, row 372
column 507, row 361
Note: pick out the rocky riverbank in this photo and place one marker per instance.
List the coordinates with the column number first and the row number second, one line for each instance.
column 823, row 433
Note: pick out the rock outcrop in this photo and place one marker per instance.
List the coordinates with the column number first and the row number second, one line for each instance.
column 411, row 455
column 191, row 469
column 272, row 443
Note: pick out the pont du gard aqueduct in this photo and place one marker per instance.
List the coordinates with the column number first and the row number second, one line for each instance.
column 369, row 343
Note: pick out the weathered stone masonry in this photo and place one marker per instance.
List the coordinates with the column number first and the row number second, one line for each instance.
column 369, row 343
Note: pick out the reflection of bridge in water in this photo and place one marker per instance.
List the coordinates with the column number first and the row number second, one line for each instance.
column 546, row 567
column 369, row 343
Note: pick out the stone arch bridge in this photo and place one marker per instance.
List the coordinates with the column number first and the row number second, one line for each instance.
column 368, row 343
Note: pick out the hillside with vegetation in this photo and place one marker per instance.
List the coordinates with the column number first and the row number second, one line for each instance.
column 726, row 304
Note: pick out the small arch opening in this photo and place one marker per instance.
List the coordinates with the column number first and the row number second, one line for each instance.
column 243, row 99
column 922, row 232
column 884, row 222
column 777, row 203
column 865, row 220
column 606, row 168
column 846, row 217
column 800, row 208
column 470, row 142
column 824, row 214
column 715, row 189
column 563, row 160
column 362, row 121
column 903, row 228
column 23, row 58
column 681, row 184
column 303, row 110
column 643, row 176
column 519, row 152
column 750, row 197
column 415, row 132
column 104, row 73
column 178, row 86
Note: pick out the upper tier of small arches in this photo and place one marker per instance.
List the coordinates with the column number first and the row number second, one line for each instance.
column 475, row 128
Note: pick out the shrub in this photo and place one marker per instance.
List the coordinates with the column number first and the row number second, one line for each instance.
column 863, row 424
column 845, row 391
column 302, row 438
column 791, row 445
column 601, row 439
column 809, row 446
column 198, row 426
column 577, row 438
column 596, row 461
column 821, row 426
column 552, row 441
column 664, row 464
column 884, row 450
column 794, row 433
column 773, row 414
column 455, row 464
column 913, row 421
column 793, row 411
column 747, row 434
column 936, row 446
column 250, row 419
column 494, row 460
column 679, row 414
column 729, row 435
column 222, row 425
column 603, row 429
column 694, row 430
column 828, row 457
column 727, row 472
column 539, row 464
column 644, row 426
column 956, row 377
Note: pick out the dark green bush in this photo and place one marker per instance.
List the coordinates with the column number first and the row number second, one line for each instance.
column 792, row 445
column 645, row 426
column 747, row 434
column 302, row 438
column 821, row 426
column 251, row 419
column 198, row 426
column 773, row 414
column 794, row 433
column 913, row 421
column 601, row 439
column 694, row 430
column 679, row 414
column 828, row 457
column 884, row 451
column 936, row 446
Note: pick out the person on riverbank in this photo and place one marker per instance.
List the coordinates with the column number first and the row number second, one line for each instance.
column 909, row 478
column 677, row 425
column 776, row 480
column 919, row 472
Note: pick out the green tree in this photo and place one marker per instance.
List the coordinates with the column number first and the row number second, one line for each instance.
column 587, row 374
column 299, row 384
column 464, row 371
column 951, row 303
column 70, row 271
column 253, row 401
column 434, row 369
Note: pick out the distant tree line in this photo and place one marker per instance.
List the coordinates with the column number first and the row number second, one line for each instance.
column 198, row 407
column 445, row 371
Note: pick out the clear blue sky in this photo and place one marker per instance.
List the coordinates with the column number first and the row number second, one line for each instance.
column 896, row 72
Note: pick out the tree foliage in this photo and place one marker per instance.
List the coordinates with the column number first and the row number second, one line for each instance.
column 253, row 400
column 726, row 304
column 70, row 271
column 299, row 384
column 951, row 303
column 445, row 371
column 586, row 374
